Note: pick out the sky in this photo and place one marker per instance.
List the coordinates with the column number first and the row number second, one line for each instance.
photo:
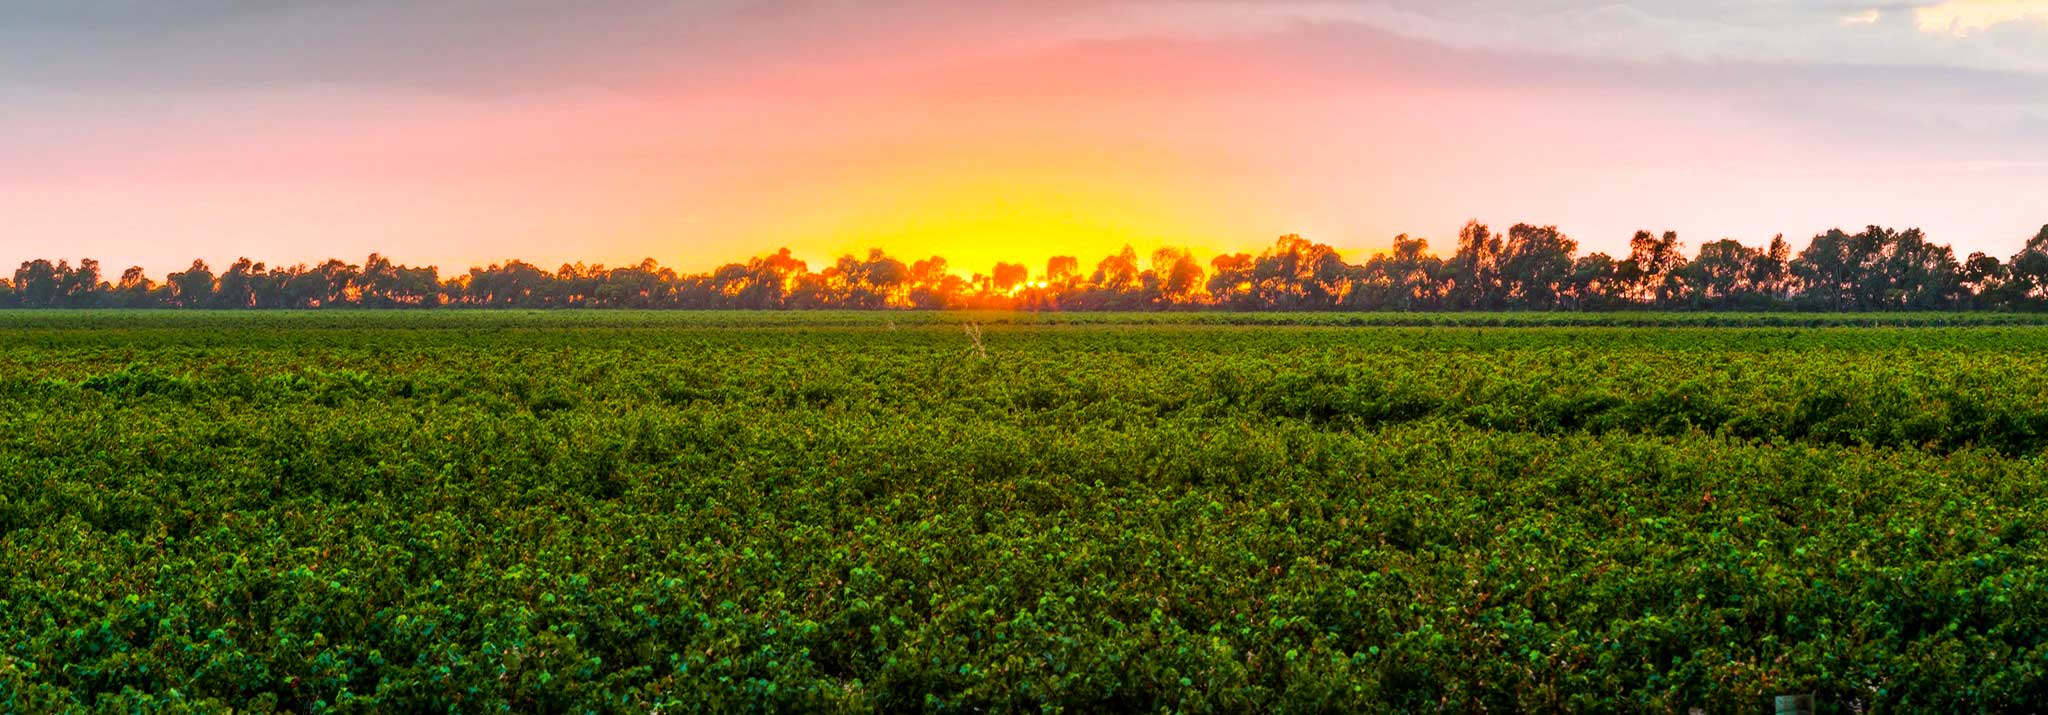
column 464, row 132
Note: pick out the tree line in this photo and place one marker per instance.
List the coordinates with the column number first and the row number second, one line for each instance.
column 1526, row 268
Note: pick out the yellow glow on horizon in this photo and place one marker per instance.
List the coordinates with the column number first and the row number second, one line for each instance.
column 1963, row 17
column 974, row 220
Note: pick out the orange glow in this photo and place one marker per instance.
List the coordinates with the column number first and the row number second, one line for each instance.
column 981, row 132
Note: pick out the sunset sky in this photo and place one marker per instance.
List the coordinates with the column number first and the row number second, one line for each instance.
column 462, row 132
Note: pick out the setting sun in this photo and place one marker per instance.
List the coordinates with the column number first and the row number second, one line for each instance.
column 1023, row 356
column 703, row 133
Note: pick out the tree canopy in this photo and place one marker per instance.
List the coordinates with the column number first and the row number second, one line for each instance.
column 1528, row 267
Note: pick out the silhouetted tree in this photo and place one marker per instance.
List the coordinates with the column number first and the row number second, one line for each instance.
column 236, row 287
column 1230, row 280
column 513, row 285
column 193, row 288
column 1009, row 276
column 1772, row 275
column 1473, row 271
column 1597, row 283
column 1298, row 274
column 1178, row 275
column 39, row 283
column 1535, row 265
column 878, row 282
column 1652, row 266
column 1406, row 277
column 1117, row 273
column 1877, row 269
column 134, row 291
column 1062, row 271
column 1919, row 275
column 1988, row 282
column 1722, row 275
column 81, row 287
column 933, row 287
column 2028, row 272
column 1531, row 267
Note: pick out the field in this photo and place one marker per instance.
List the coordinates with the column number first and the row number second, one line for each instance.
column 889, row 512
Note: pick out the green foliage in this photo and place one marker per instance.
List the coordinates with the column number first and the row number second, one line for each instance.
column 509, row 512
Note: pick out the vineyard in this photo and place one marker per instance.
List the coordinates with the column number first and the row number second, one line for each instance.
column 345, row 512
